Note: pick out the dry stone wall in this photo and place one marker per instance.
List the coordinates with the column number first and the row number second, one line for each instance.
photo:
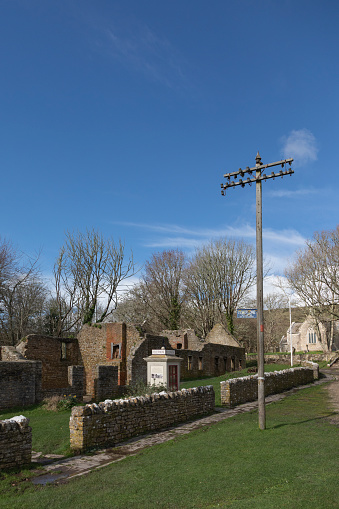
column 297, row 358
column 105, row 381
column 312, row 365
column 111, row 422
column 15, row 442
column 243, row 389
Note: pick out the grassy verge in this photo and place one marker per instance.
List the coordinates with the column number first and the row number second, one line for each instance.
column 293, row 463
column 50, row 430
column 215, row 381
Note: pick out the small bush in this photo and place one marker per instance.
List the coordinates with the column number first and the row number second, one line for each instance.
column 141, row 389
column 67, row 402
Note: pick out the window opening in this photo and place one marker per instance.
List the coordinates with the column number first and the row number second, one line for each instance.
column 63, row 351
column 115, row 351
column 189, row 362
column 312, row 337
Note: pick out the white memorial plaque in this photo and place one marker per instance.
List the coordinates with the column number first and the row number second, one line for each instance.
column 157, row 374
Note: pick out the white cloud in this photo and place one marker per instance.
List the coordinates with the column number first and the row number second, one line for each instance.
column 301, row 145
column 279, row 245
column 284, row 237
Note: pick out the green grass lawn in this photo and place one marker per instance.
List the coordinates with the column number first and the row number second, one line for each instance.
column 292, row 464
column 215, row 381
column 50, row 430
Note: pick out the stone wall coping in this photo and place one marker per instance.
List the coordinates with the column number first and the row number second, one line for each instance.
column 267, row 375
column 311, row 363
column 18, row 421
column 119, row 404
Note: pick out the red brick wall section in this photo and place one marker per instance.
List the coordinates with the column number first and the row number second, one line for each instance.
column 116, row 335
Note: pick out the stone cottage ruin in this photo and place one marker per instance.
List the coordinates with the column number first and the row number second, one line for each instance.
column 104, row 358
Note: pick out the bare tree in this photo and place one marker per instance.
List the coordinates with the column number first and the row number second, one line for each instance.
column 219, row 277
column 133, row 308
column 314, row 275
column 275, row 314
column 161, row 287
column 202, row 310
column 22, row 294
column 87, row 275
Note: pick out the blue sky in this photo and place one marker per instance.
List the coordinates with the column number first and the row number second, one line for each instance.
column 124, row 116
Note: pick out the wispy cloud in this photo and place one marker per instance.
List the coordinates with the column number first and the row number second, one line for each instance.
column 142, row 50
column 301, row 145
column 292, row 193
column 174, row 242
column 190, row 237
column 279, row 245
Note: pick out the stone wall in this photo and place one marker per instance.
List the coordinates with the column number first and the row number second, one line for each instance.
column 76, row 380
column 55, row 354
column 103, row 345
column 211, row 360
column 105, row 381
column 219, row 335
column 312, row 365
column 15, row 442
column 111, row 422
column 75, row 386
column 240, row 390
column 20, row 383
column 136, row 365
column 184, row 339
column 298, row 358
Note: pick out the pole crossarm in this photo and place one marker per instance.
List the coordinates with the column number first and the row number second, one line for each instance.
column 260, row 167
column 250, row 181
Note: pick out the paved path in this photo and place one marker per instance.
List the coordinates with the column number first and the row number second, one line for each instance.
column 57, row 469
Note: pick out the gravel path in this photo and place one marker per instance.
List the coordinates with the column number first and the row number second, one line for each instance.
column 333, row 390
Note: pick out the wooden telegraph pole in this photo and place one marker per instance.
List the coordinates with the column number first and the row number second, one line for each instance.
column 259, row 177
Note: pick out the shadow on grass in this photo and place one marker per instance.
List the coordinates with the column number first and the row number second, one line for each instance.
column 330, row 414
